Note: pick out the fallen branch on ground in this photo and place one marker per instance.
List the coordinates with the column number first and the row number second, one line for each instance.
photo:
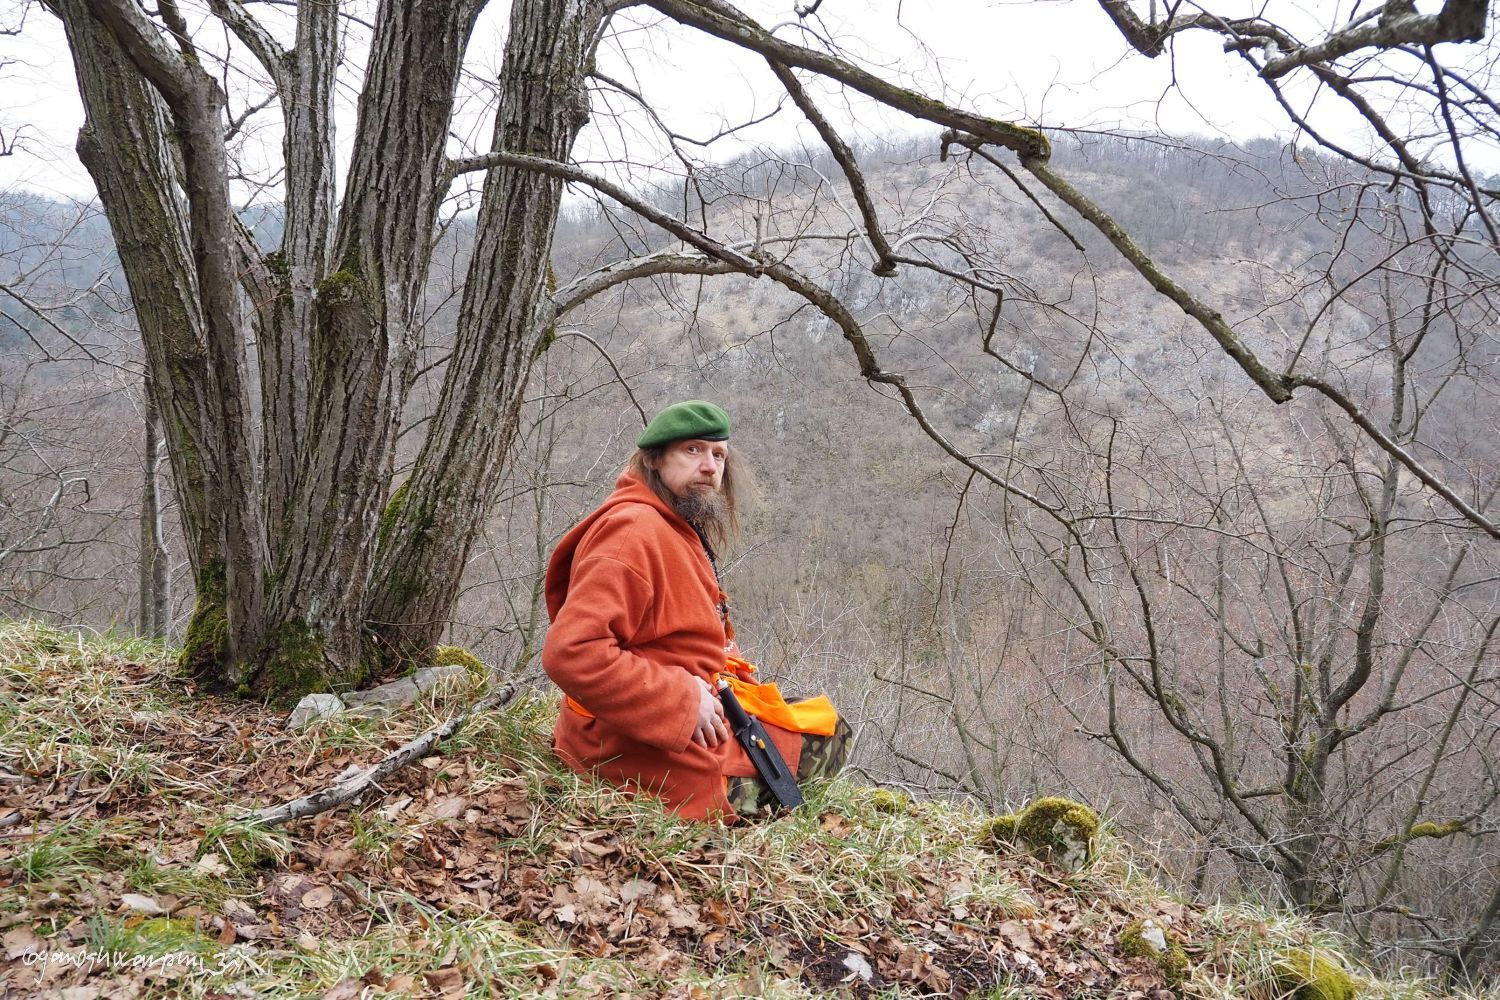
column 347, row 789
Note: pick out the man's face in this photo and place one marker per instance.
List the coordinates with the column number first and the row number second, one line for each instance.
column 693, row 466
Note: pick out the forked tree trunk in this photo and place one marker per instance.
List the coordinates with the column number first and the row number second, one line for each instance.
column 284, row 553
column 361, row 341
column 124, row 144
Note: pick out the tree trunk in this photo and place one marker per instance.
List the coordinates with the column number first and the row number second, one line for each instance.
column 430, row 526
column 361, row 342
column 215, row 239
column 284, row 561
column 124, row 144
column 336, row 349
column 302, row 260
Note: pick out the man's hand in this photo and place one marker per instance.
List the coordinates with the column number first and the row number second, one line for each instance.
column 711, row 729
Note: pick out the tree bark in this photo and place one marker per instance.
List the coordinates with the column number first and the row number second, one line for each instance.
column 336, row 348
column 152, row 559
column 125, row 146
column 197, row 105
column 361, row 343
column 305, row 77
column 429, row 530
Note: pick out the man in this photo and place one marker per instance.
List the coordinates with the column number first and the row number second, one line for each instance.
column 641, row 634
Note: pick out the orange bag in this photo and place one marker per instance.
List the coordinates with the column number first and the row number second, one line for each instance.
column 816, row 716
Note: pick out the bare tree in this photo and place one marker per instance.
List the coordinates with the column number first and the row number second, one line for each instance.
column 1259, row 613
column 67, row 365
column 287, row 558
column 310, row 570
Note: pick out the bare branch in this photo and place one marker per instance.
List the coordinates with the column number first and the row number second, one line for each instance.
column 681, row 230
column 267, row 51
column 885, row 263
column 1398, row 24
column 352, row 787
column 727, row 22
column 1400, row 454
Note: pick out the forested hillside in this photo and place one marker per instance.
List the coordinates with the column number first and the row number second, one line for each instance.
column 1087, row 557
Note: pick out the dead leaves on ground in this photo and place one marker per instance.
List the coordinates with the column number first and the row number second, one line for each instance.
column 457, row 838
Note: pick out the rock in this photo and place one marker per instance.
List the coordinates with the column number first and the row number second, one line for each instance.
column 142, row 904
column 451, row 676
column 392, row 695
column 1053, row 829
column 1153, row 936
column 313, row 707
column 398, row 693
column 859, row 966
column 1149, row 939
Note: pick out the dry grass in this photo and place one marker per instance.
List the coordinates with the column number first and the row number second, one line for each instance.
column 488, row 870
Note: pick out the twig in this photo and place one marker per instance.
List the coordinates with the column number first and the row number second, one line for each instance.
column 347, row 789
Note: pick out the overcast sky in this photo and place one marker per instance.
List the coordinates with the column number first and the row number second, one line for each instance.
column 1059, row 63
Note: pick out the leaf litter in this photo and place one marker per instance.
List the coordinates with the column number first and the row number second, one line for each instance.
column 488, row 870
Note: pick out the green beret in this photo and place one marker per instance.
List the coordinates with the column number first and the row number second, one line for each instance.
column 690, row 419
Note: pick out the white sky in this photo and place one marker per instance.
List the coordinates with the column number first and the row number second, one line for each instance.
column 1060, row 63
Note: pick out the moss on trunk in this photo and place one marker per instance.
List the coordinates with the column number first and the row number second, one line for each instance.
column 297, row 662
column 205, row 644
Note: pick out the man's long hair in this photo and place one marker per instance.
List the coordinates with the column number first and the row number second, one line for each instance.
column 721, row 530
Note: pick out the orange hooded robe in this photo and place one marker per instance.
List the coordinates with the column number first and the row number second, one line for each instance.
column 635, row 621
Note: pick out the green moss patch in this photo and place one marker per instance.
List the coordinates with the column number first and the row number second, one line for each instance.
column 1151, row 940
column 296, row 664
column 1312, row 975
column 392, row 513
column 205, row 643
column 891, row 802
column 1053, row 829
column 457, row 656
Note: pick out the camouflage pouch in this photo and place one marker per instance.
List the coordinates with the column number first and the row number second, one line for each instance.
column 822, row 757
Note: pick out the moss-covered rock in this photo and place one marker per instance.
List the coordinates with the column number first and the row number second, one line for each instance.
column 1149, row 939
column 457, row 656
column 999, row 831
column 891, row 801
column 1306, row 974
column 1054, row 829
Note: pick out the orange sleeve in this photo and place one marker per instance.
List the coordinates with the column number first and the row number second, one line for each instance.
column 587, row 654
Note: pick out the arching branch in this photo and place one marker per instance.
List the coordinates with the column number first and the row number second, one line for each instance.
column 723, row 20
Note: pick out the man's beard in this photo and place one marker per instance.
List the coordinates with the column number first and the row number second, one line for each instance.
column 703, row 509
